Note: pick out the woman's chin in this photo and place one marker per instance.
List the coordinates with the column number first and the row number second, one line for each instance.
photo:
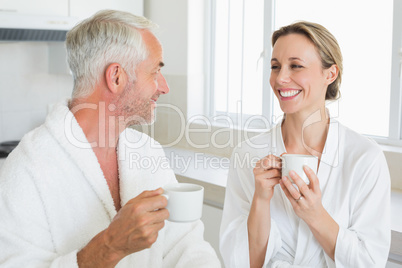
column 287, row 109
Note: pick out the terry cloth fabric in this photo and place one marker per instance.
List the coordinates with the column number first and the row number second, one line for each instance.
column 355, row 186
column 55, row 199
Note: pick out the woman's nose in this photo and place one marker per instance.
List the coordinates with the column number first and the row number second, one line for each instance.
column 283, row 76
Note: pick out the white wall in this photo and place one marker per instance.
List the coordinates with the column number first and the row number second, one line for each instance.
column 171, row 16
column 26, row 87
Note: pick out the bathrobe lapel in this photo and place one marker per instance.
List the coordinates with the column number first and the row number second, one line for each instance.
column 66, row 130
column 133, row 181
column 307, row 245
column 143, row 165
column 329, row 161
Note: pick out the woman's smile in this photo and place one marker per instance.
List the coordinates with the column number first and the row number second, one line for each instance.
column 288, row 94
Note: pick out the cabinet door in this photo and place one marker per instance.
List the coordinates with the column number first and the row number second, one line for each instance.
column 35, row 7
column 84, row 9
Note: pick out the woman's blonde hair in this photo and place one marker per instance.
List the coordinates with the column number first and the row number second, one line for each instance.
column 326, row 45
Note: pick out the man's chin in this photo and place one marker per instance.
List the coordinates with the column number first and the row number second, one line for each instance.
column 142, row 121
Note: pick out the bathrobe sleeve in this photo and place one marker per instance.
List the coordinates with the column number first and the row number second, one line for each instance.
column 25, row 238
column 185, row 246
column 183, row 243
column 234, row 233
column 366, row 241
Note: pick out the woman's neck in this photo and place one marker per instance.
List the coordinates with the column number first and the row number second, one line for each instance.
column 306, row 133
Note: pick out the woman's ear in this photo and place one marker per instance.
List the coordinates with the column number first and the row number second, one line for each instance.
column 332, row 73
column 116, row 78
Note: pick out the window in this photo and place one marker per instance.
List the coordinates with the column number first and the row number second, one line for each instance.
column 238, row 42
column 368, row 32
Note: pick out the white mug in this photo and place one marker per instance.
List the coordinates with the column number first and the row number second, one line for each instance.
column 296, row 162
column 184, row 201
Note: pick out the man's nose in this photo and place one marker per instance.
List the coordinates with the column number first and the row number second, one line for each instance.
column 163, row 87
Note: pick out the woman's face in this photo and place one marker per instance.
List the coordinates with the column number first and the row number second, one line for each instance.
column 297, row 77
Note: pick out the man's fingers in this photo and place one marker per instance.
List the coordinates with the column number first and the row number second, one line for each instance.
column 150, row 193
column 159, row 215
column 149, row 201
column 150, row 204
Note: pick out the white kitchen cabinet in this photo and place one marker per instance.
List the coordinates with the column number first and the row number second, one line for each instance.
column 37, row 7
column 84, row 9
column 74, row 8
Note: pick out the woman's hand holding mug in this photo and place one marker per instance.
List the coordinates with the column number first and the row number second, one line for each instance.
column 267, row 174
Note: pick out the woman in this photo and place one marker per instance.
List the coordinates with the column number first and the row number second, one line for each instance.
column 342, row 218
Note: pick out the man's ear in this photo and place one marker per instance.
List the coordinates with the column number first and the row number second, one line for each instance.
column 332, row 73
column 116, row 78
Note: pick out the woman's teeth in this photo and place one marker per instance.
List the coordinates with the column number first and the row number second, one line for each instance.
column 289, row 93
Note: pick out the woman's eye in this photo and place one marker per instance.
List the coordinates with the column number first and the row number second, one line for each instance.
column 274, row 67
column 295, row 66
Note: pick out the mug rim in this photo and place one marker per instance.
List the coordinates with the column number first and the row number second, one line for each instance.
column 171, row 186
column 300, row 155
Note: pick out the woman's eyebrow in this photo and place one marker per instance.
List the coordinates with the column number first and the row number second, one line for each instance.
column 290, row 59
column 296, row 58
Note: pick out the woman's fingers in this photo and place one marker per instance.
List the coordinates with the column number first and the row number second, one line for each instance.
column 290, row 189
column 314, row 183
column 274, row 172
column 302, row 187
column 268, row 162
column 267, row 174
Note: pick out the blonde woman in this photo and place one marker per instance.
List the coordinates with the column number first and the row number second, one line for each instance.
column 342, row 218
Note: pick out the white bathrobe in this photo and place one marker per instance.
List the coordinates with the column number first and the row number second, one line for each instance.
column 355, row 185
column 55, row 199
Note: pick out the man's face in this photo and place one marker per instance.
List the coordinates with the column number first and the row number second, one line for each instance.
column 138, row 101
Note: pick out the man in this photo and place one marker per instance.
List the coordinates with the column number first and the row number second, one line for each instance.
column 71, row 197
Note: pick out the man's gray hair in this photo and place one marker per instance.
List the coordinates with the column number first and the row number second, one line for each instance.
column 107, row 37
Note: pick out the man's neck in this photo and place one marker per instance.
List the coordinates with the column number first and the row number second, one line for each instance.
column 100, row 126
column 101, row 129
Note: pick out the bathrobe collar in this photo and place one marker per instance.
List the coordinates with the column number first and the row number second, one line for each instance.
column 64, row 127
column 329, row 159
